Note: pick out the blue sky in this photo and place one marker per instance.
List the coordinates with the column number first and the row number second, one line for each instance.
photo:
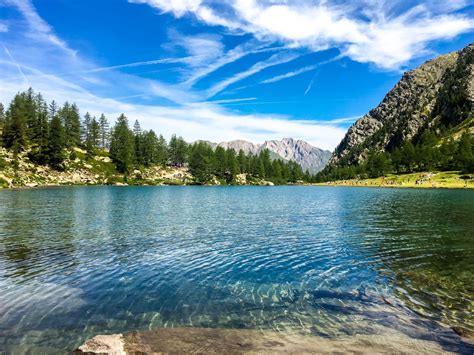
column 221, row 70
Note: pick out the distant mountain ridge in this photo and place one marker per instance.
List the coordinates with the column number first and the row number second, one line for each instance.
column 307, row 156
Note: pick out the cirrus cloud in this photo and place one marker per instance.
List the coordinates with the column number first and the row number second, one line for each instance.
column 365, row 30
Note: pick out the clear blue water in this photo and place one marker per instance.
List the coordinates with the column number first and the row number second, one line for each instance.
column 331, row 262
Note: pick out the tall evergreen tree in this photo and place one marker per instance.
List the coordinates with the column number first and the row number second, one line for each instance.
column 14, row 133
column 85, row 127
column 220, row 162
column 121, row 145
column 464, row 158
column 72, row 124
column 104, row 131
column 162, row 151
column 52, row 110
column 93, row 136
column 200, row 162
column 177, row 151
column 30, row 113
column 138, row 143
column 39, row 132
column 2, row 116
column 56, row 142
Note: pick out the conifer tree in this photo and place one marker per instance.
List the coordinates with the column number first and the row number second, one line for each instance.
column 464, row 158
column 39, row 132
column 56, row 142
column 85, row 127
column 177, row 151
column 138, row 143
column 104, row 131
column 93, row 136
column 72, row 124
column 162, row 151
column 2, row 114
column 121, row 145
column 15, row 127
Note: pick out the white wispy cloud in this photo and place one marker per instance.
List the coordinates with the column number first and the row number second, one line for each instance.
column 382, row 36
column 3, row 27
column 39, row 29
column 299, row 71
column 140, row 64
column 309, row 87
column 274, row 60
column 20, row 71
column 229, row 57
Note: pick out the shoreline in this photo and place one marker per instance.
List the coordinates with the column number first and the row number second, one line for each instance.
column 328, row 184
column 247, row 341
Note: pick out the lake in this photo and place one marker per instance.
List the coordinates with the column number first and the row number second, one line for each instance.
column 318, row 261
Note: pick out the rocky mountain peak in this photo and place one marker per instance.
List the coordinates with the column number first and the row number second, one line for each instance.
column 309, row 157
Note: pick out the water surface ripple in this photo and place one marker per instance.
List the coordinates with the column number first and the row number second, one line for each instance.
column 331, row 262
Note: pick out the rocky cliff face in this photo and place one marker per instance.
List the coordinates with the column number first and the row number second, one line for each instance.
column 415, row 103
column 309, row 157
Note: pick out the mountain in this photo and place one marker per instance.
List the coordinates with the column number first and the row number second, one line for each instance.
column 437, row 96
column 307, row 156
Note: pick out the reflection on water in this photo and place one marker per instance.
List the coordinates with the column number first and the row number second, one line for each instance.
column 330, row 262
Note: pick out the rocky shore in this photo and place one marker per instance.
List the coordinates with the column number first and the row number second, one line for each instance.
column 238, row 341
column 79, row 169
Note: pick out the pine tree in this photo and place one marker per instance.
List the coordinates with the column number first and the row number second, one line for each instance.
column 242, row 160
column 52, row 110
column 56, row 142
column 447, row 151
column 121, row 145
column 177, row 151
column 39, row 133
column 138, row 143
column 220, row 162
column 30, row 113
column 149, row 146
column 85, row 127
column 464, row 158
column 200, row 164
column 232, row 166
column 409, row 157
column 104, row 131
column 72, row 124
column 161, row 151
column 93, row 136
column 14, row 133
column 2, row 116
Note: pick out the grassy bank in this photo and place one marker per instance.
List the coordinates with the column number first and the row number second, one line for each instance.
column 445, row 179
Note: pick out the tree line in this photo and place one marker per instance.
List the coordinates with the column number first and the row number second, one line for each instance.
column 49, row 132
column 428, row 152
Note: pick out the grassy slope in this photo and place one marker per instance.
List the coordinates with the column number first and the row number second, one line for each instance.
column 445, row 179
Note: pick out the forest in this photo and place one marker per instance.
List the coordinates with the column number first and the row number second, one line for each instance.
column 49, row 132
column 431, row 151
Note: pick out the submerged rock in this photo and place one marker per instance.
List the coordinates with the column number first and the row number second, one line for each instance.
column 103, row 344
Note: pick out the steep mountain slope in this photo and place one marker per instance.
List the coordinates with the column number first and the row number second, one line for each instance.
column 307, row 156
column 437, row 95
